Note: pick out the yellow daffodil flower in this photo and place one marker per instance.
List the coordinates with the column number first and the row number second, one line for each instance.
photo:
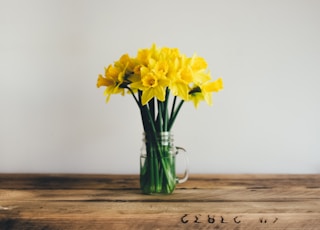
column 151, row 86
column 198, row 63
column 204, row 92
column 196, row 97
column 112, row 80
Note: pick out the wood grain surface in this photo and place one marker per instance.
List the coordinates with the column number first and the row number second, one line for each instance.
column 59, row 201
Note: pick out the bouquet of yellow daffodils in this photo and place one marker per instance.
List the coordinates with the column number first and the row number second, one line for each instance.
column 154, row 77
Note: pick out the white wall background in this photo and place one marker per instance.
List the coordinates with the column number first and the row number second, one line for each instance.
column 54, row 119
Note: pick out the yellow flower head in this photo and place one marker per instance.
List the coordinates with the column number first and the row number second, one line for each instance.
column 149, row 80
column 125, row 63
column 214, row 86
column 155, row 71
column 204, row 91
column 112, row 79
column 198, row 63
column 151, row 85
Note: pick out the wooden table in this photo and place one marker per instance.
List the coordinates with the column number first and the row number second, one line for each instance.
column 46, row 201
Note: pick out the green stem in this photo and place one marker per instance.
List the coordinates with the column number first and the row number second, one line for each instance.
column 151, row 108
column 165, row 111
column 160, row 111
column 175, row 114
column 173, row 106
column 157, row 174
column 135, row 98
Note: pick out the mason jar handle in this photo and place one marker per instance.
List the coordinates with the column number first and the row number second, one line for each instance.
column 186, row 172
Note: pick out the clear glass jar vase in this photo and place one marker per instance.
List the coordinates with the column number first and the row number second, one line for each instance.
column 158, row 164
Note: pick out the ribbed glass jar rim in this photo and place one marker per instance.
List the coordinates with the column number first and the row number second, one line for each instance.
column 165, row 137
column 165, row 134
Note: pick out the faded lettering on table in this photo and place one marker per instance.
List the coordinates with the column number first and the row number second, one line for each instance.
column 221, row 219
